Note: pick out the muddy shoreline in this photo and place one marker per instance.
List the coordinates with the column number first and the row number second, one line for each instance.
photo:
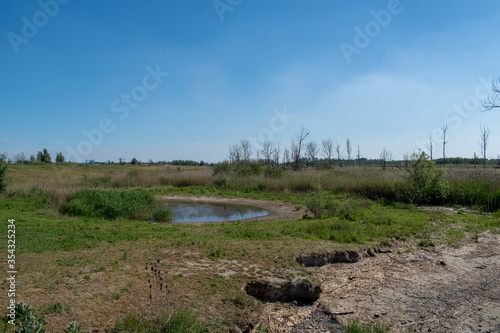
column 278, row 210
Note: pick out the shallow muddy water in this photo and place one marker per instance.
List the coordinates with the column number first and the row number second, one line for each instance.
column 212, row 212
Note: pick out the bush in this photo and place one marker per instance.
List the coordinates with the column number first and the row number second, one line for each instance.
column 3, row 172
column 320, row 205
column 242, row 169
column 222, row 167
column 162, row 214
column 29, row 322
column 273, row 172
column 256, row 168
column 426, row 182
column 109, row 204
column 220, row 183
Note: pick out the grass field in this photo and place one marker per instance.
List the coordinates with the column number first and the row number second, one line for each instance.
column 92, row 269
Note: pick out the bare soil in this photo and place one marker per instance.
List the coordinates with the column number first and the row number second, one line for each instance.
column 433, row 289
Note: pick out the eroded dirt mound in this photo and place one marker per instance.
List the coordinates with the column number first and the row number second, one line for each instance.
column 438, row 289
column 315, row 259
column 318, row 259
column 302, row 292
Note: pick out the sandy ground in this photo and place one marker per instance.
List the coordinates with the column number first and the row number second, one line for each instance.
column 433, row 289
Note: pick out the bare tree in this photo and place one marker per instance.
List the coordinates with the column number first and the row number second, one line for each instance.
column 276, row 154
column 348, row 148
column 327, row 148
column 286, row 156
column 385, row 156
column 247, row 150
column 444, row 129
column 358, row 156
column 235, row 153
column 312, row 151
column 297, row 145
column 20, row 158
column 406, row 158
column 339, row 153
column 429, row 147
column 267, row 151
column 493, row 101
column 485, row 134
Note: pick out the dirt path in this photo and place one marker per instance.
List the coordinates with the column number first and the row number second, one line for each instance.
column 278, row 210
column 438, row 290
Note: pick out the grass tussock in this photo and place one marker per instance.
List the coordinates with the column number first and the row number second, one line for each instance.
column 112, row 204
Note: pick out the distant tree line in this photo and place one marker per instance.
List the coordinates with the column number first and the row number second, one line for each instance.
column 304, row 152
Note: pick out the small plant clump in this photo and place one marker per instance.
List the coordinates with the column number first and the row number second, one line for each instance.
column 112, row 204
column 28, row 321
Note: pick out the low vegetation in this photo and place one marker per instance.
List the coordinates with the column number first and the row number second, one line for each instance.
column 68, row 215
column 112, row 204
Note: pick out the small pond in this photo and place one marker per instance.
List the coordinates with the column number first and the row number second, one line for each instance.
column 212, row 212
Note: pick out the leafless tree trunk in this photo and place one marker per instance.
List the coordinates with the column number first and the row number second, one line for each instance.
column 406, row 158
column 312, row 151
column 276, row 154
column 385, row 156
column 235, row 153
column 358, row 156
column 20, row 158
column 267, row 149
column 246, row 149
column 444, row 129
column 286, row 156
column 485, row 134
column 327, row 148
column 429, row 147
column 339, row 153
column 297, row 145
column 349, row 151
column 493, row 101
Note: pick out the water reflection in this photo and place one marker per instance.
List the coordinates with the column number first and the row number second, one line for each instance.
column 212, row 212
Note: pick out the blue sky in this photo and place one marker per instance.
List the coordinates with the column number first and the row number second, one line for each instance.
column 168, row 80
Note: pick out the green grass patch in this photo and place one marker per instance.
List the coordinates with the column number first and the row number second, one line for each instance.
column 179, row 321
column 112, row 204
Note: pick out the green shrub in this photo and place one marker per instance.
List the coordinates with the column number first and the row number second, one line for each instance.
column 220, row 183
column 73, row 327
column 426, row 182
column 109, row 204
column 256, row 168
column 162, row 214
column 3, row 172
column 320, row 204
column 273, row 171
column 222, row 167
column 242, row 169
